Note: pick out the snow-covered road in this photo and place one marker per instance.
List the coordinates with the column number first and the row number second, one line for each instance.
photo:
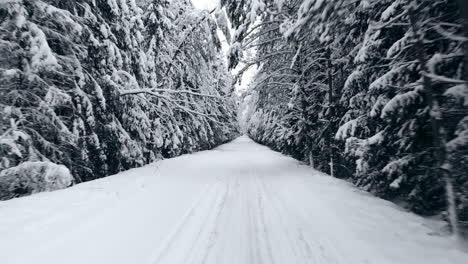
column 239, row 203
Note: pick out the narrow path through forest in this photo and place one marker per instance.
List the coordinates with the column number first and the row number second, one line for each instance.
column 239, row 203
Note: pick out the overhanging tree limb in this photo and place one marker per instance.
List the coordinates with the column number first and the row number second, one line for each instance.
column 157, row 91
column 182, row 43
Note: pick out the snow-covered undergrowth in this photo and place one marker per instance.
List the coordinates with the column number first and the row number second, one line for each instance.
column 33, row 177
column 238, row 203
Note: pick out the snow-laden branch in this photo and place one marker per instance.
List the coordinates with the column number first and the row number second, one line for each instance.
column 258, row 60
column 296, row 56
column 190, row 111
column 280, row 83
column 444, row 79
column 391, row 21
column 182, row 43
column 261, row 25
column 251, row 39
column 449, row 35
column 250, row 46
column 173, row 102
column 157, row 92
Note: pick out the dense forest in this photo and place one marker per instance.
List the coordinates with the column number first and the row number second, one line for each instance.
column 234, row 131
column 373, row 91
column 89, row 88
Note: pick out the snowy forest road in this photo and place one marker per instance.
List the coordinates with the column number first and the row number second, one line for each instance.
column 239, row 203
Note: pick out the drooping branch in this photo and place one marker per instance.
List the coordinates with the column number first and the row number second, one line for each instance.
column 157, row 92
column 258, row 60
column 182, row 43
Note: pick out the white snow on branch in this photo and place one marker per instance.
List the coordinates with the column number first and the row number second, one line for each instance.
column 155, row 92
column 443, row 79
column 56, row 97
column 295, row 56
column 351, row 84
column 347, row 129
column 399, row 45
column 459, row 92
column 379, row 104
column 396, row 183
column 391, row 10
column 400, row 101
column 396, row 166
column 371, row 40
column 461, row 139
column 41, row 54
column 375, row 139
column 385, row 80
column 62, row 16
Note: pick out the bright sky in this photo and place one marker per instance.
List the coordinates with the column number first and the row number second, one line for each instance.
column 205, row 4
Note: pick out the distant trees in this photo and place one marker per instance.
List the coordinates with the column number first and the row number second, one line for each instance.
column 95, row 85
column 374, row 91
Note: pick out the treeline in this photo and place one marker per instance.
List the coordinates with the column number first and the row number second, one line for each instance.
column 101, row 86
column 373, row 91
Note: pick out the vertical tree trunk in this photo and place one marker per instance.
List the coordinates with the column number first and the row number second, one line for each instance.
column 463, row 4
column 330, row 111
column 435, row 119
column 298, row 60
column 311, row 159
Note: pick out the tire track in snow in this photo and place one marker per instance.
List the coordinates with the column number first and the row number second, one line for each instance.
column 317, row 244
column 179, row 229
column 202, row 229
column 304, row 252
column 283, row 225
column 262, row 221
column 214, row 233
column 198, row 232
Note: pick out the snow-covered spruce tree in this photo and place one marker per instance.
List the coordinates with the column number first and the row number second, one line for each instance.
column 66, row 66
column 36, row 91
column 397, row 109
column 406, row 159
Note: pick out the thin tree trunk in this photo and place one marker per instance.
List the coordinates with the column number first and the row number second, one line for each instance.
column 463, row 4
column 311, row 159
column 435, row 119
column 330, row 111
column 297, row 60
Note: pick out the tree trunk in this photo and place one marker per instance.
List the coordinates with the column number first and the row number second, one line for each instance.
column 463, row 4
column 435, row 119
column 311, row 159
column 298, row 60
column 330, row 111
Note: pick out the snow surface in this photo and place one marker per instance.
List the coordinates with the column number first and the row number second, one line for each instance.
column 239, row 203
